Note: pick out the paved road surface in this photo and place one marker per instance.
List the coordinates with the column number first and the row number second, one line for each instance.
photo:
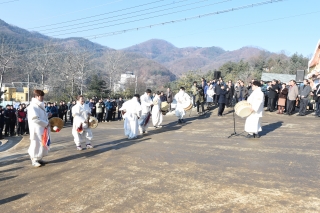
column 192, row 167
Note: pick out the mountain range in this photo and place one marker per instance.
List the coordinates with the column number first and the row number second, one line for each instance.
column 154, row 57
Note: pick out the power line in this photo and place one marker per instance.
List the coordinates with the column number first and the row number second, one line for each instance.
column 184, row 19
column 127, row 14
column 141, row 5
column 171, row 22
column 231, row 27
column 6, row 2
column 253, row 23
column 83, row 9
column 138, row 16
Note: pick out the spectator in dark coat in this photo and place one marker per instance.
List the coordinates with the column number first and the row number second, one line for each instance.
column 109, row 107
column 304, row 94
column 120, row 103
column 241, row 92
column 273, row 90
column 114, row 109
column 170, row 96
column 217, row 90
column 92, row 105
column 1, row 121
column 222, row 100
column 163, row 97
column 230, row 94
column 70, row 108
column 10, row 120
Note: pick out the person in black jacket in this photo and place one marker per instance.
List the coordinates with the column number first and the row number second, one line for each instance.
column 230, row 94
column 1, row 121
column 272, row 95
column 222, row 100
column 10, row 120
column 217, row 89
column 120, row 103
column 70, row 113
column 316, row 95
column 62, row 110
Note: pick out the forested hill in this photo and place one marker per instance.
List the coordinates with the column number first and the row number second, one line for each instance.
column 23, row 39
column 180, row 60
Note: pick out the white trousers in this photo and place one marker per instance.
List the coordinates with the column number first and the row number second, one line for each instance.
column 36, row 150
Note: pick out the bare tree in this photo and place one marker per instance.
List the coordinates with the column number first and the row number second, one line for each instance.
column 42, row 60
column 7, row 56
column 114, row 65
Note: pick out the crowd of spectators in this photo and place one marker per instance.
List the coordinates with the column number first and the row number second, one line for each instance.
column 280, row 97
column 13, row 122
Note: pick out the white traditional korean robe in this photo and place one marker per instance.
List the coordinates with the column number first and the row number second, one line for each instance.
column 253, row 123
column 37, row 120
column 156, row 111
column 146, row 103
column 181, row 97
column 133, row 111
column 80, row 114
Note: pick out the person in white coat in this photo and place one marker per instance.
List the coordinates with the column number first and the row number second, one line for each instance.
column 253, row 121
column 132, row 110
column 210, row 94
column 80, row 130
column 156, row 111
column 181, row 97
column 38, row 123
column 146, row 104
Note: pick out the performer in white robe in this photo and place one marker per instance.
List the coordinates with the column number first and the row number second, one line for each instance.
column 253, row 121
column 132, row 110
column 146, row 104
column 181, row 97
column 38, row 121
column 80, row 130
column 156, row 111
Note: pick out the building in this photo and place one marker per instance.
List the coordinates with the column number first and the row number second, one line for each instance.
column 16, row 94
column 285, row 78
column 314, row 63
column 126, row 78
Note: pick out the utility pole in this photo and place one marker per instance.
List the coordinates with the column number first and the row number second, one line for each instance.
column 42, row 81
column 28, row 88
column 135, row 89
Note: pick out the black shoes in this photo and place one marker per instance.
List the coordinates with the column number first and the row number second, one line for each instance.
column 253, row 136
column 250, row 136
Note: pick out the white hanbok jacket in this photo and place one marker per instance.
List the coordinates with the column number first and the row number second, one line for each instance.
column 256, row 99
column 181, row 98
column 133, row 112
column 37, row 120
column 146, row 103
column 80, row 114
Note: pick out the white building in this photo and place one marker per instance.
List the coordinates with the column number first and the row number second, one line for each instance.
column 124, row 79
